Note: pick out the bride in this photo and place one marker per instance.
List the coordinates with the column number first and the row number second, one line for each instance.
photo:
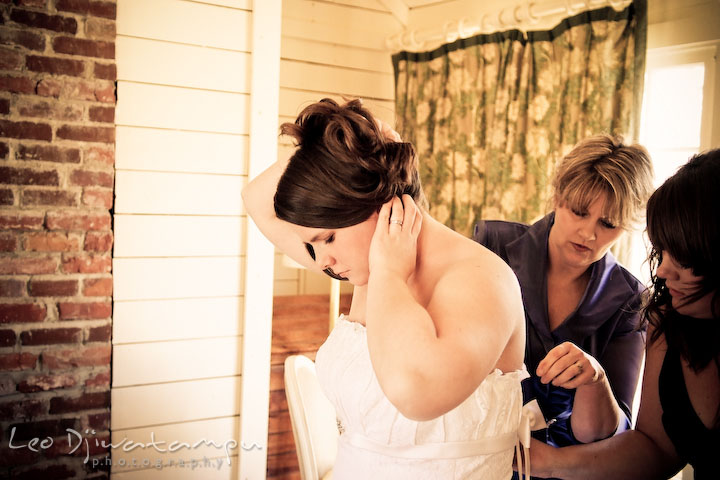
column 424, row 372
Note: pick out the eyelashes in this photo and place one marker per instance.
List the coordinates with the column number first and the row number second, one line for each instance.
column 331, row 274
column 310, row 250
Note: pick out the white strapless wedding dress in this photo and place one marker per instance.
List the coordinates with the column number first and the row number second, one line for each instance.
column 476, row 440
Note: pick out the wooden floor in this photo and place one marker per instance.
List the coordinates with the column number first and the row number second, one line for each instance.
column 300, row 325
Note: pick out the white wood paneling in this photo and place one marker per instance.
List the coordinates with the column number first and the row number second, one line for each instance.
column 180, row 151
column 345, row 17
column 172, row 361
column 178, row 236
column 339, row 55
column 163, row 403
column 178, row 193
column 186, row 22
column 160, row 320
column 158, row 62
column 322, row 78
column 214, row 440
column 145, row 105
column 293, row 101
column 191, row 277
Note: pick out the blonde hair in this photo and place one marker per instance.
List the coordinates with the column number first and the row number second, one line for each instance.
column 605, row 165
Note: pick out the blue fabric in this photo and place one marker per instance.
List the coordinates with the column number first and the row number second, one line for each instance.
column 604, row 324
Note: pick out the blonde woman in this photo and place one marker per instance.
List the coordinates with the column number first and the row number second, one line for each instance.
column 584, row 348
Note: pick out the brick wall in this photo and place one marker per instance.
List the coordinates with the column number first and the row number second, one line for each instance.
column 57, row 107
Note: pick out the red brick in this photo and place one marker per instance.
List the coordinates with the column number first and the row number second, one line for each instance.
column 86, row 264
column 4, row 149
column 97, row 287
column 16, row 84
column 89, row 7
column 86, row 178
column 64, row 220
column 21, row 221
column 47, row 153
column 55, row 23
column 4, row 110
column 84, row 47
column 100, row 28
column 105, row 93
column 17, row 361
column 55, row 66
column 103, row 155
column 99, row 421
column 98, row 241
column 7, row 385
column 51, row 336
column 86, row 134
column 8, row 242
column 98, row 198
column 59, row 198
column 43, row 428
column 23, row 38
column 12, row 288
column 7, row 338
column 84, row 311
column 10, row 59
column 27, row 265
column 56, row 471
column 53, row 288
column 43, row 109
column 13, row 457
column 106, row 72
column 102, row 114
column 87, row 401
column 7, row 197
column 99, row 334
column 41, row 383
column 29, row 176
column 49, row 87
column 77, row 357
column 25, row 409
column 31, row 3
column 30, row 130
column 51, row 242
column 22, row 312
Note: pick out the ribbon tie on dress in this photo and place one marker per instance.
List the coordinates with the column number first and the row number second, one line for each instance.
column 531, row 419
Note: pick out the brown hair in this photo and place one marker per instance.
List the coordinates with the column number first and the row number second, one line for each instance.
column 344, row 168
column 604, row 164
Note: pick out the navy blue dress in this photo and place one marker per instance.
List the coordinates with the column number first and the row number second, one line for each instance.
column 604, row 324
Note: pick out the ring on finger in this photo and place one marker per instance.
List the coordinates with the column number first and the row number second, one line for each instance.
column 395, row 221
column 579, row 367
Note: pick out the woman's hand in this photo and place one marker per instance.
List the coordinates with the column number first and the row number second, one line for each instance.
column 568, row 366
column 393, row 248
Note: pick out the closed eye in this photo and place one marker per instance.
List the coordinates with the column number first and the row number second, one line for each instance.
column 579, row 213
column 330, row 239
column 310, row 250
column 607, row 224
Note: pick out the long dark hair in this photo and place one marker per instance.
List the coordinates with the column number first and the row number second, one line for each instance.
column 344, row 168
column 683, row 219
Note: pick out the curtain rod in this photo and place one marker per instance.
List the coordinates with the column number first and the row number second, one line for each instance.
column 521, row 16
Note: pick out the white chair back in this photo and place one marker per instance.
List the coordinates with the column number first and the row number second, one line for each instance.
column 313, row 418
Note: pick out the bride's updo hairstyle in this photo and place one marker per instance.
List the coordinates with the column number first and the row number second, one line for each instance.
column 344, row 169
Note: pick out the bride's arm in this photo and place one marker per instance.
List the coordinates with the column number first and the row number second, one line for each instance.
column 430, row 359
column 258, row 197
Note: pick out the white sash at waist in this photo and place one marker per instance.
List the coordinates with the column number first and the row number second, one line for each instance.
column 445, row 450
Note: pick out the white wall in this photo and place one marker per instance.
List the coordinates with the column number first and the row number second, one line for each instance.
column 332, row 49
column 182, row 159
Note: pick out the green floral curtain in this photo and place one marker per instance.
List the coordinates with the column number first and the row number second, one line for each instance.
column 491, row 115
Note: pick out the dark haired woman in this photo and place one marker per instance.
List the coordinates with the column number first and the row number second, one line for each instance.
column 425, row 370
column 679, row 418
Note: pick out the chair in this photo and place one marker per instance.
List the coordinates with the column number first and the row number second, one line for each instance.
column 312, row 417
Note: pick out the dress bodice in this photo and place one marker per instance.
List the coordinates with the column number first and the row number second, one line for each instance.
column 346, row 376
